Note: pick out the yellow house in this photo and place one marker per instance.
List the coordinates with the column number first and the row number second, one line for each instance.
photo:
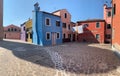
column 29, row 30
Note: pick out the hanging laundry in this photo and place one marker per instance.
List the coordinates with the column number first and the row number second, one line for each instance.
column 74, row 29
column 80, row 29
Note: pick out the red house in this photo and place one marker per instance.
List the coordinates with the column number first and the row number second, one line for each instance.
column 94, row 32
column 12, row 32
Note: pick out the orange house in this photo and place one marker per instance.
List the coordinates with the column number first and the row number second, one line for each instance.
column 116, row 24
column 93, row 32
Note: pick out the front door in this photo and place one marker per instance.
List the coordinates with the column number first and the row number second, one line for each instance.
column 53, row 38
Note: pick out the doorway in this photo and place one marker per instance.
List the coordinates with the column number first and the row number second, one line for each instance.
column 54, row 38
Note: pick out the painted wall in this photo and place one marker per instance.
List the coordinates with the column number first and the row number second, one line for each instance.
column 66, row 20
column 89, row 34
column 108, row 20
column 116, row 24
column 1, row 19
column 12, row 34
column 40, row 29
column 23, row 32
column 28, row 26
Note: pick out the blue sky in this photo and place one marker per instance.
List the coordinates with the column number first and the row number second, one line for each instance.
column 18, row 11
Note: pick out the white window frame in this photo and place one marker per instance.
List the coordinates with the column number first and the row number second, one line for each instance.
column 46, row 35
column 59, row 35
column 96, row 25
column 49, row 21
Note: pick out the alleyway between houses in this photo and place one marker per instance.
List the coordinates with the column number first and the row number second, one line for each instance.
column 18, row 58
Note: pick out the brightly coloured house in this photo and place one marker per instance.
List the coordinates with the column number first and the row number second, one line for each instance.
column 68, row 35
column 107, row 13
column 28, row 26
column 23, row 32
column 116, row 24
column 47, row 28
column 1, row 19
column 12, row 32
column 94, row 32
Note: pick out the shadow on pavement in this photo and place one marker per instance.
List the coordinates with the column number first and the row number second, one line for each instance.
column 38, row 55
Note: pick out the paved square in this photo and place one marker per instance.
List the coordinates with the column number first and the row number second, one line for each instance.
column 69, row 59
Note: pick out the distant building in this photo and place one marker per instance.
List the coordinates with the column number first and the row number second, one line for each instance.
column 12, row 32
column 66, row 24
column 116, row 24
column 108, row 27
column 1, row 19
column 47, row 28
column 23, row 32
column 93, row 32
column 28, row 26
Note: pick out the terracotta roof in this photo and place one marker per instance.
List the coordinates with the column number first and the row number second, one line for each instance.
column 58, row 10
column 91, row 20
column 50, row 13
column 23, row 24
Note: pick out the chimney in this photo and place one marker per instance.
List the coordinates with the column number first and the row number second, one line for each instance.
column 36, row 6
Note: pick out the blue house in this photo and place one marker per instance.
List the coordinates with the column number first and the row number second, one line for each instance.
column 47, row 28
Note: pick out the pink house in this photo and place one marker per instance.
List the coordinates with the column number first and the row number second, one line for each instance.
column 68, row 35
column 12, row 32
column 108, row 18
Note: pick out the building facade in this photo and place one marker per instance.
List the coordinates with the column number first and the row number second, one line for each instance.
column 1, row 19
column 23, row 32
column 28, row 26
column 12, row 32
column 66, row 24
column 116, row 24
column 47, row 28
column 93, row 32
column 108, row 28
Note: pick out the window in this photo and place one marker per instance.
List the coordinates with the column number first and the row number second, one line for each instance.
column 24, row 28
column 69, row 26
column 108, row 26
column 97, row 36
column 97, row 25
column 58, row 35
column 11, row 29
column 114, row 9
column 47, row 21
column 64, row 25
column 109, row 14
column 8, row 29
column 63, row 36
column 108, row 36
column 48, row 36
column 15, row 29
column 65, row 15
column 58, row 23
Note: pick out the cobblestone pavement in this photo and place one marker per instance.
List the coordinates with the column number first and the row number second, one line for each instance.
column 18, row 58
column 23, row 59
column 80, row 59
